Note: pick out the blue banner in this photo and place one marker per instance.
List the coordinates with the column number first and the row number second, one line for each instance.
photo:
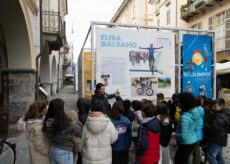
column 197, row 65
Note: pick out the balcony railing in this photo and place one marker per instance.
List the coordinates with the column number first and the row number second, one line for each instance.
column 194, row 8
column 51, row 21
column 222, row 44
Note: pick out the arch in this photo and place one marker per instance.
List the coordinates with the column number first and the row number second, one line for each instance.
column 19, row 40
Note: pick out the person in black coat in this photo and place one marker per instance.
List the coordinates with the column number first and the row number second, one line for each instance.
column 217, row 130
column 83, row 105
column 102, row 96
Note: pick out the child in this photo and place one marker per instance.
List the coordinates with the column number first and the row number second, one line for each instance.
column 59, row 130
column 122, row 124
column 31, row 124
column 149, row 137
column 165, row 133
column 128, row 112
column 98, row 134
column 78, row 144
column 137, row 106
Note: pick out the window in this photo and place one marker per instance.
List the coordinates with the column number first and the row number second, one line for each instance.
column 168, row 17
column 134, row 11
column 210, row 23
column 158, row 22
column 197, row 26
column 220, row 26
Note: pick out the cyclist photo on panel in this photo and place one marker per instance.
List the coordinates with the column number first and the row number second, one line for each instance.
column 189, row 88
column 205, row 57
column 151, row 58
column 203, row 89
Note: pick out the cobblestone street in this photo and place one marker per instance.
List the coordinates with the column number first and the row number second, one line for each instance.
column 22, row 148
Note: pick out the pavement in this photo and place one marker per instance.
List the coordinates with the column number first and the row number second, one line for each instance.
column 70, row 97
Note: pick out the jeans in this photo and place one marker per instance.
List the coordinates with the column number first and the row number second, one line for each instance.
column 165, row 155
column 215, row 155
column 60, row 156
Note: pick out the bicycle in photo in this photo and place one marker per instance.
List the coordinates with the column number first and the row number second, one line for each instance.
column 7, row 152
column 146, row 90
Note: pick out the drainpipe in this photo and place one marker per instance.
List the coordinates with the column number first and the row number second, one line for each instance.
column 40, row 54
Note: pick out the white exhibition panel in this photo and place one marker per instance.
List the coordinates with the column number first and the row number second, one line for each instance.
column 123, row 62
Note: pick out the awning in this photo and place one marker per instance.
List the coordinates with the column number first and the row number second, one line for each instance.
column 222, row 68
column 68, row 75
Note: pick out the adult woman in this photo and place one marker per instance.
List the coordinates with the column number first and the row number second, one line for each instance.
column 59, row 130
column 98, row 134
column 186, row 133
column 31, row 124
column 102, row 96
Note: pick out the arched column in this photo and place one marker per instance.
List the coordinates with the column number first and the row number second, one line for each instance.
column 54, row 76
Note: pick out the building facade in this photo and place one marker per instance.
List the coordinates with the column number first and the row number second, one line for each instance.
column 20, row 47
column 211, row 15
column 134, row 12
column 164, row 12
column 54, row 45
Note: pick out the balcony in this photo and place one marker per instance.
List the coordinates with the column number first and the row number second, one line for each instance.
column 193, row 8
column 52, row 29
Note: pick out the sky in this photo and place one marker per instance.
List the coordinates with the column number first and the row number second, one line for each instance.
column 80, row 15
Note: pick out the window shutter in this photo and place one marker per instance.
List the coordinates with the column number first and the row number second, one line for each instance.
column 210, row 23
column 227, row 28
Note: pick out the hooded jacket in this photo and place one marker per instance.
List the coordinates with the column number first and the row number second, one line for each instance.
column 217, row 127
column 186, row 133
column 63, row 139
column 136, row 123
column 124, row 128
column 149, row 141
column 200, row 124
column 38, row 143
column 98, row 134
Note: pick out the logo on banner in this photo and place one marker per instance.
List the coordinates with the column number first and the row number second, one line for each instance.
column 121, row 129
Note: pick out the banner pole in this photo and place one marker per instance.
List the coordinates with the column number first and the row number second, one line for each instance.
column 92, row 58
column 179, row 61
column 214, row 64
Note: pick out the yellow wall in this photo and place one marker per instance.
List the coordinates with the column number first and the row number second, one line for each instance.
column 87, row 72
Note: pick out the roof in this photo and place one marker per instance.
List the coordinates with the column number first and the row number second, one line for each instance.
column 120, row 10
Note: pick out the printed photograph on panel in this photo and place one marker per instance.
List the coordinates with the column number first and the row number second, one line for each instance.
column 143, row 86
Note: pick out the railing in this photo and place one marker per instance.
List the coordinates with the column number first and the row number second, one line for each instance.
column 51, row 21
column 189, row 10
column 222, row 44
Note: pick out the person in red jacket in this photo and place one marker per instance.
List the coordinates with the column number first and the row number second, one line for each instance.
column 149, row 137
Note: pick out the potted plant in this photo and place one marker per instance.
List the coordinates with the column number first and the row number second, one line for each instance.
column 224, row 93
column 201, row 3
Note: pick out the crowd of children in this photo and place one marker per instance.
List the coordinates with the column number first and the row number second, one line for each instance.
column 103, row 134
